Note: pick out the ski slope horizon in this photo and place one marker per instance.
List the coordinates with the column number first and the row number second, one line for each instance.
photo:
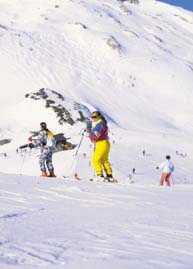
column 59, row 61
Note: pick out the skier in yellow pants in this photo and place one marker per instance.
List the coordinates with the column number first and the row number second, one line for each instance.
column 99, row 135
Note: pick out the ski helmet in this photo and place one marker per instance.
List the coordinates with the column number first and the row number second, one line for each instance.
column 43, row 125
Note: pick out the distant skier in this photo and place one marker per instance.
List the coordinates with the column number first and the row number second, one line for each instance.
column 133, row 171
column 168, row 168
column 143, row 152
column 98, row 134
column 130, row 179
column 45, row 140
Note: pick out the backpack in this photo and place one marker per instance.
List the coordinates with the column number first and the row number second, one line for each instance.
column 172, row 168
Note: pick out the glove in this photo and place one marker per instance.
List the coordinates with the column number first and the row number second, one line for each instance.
column 88, row 126
column 30, row 139
column 31, row 146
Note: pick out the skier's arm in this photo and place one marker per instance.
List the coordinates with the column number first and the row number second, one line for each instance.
column 37, row 142
column 88, row 126
column 97, row 132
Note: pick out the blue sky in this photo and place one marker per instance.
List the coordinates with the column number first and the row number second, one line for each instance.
column 187, row 4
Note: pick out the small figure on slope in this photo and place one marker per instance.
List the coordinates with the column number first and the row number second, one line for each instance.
column 167, row 168
column 45, row 140
column 98, row 134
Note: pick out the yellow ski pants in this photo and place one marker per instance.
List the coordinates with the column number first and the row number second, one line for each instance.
column 100, row 158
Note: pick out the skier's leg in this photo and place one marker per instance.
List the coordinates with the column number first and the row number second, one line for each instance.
column 49, row 163
column 167, row 179
column 96, row 158
column 104, row 160
column 42, row 163
column 162, row 179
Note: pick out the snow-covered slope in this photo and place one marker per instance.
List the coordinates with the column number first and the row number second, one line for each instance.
column 57, row 224
column 60, row 60
column 137, row 54
column 134, row 62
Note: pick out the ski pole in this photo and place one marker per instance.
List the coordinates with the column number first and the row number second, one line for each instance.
column 22, row 163
column 77, row 151
column 172, row 179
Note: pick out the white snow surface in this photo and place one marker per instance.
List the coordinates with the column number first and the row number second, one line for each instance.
column 133, row 62
column 78, row 224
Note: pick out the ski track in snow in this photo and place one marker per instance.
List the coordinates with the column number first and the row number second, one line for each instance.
column 58, row 225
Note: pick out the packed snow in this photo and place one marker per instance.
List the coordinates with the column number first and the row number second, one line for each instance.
column 79, row 224
column 134, row 63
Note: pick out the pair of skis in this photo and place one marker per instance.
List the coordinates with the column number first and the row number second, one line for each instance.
column 105, row 180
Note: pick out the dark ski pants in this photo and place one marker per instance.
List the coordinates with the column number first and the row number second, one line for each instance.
column 165, row 177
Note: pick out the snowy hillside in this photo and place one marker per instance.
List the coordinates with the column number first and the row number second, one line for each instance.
column 133, row 61
column 140, row 55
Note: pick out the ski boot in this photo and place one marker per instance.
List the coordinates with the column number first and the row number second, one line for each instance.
column 99, row 178
column 52, row 174
column 44, row 174
column 109, row 178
